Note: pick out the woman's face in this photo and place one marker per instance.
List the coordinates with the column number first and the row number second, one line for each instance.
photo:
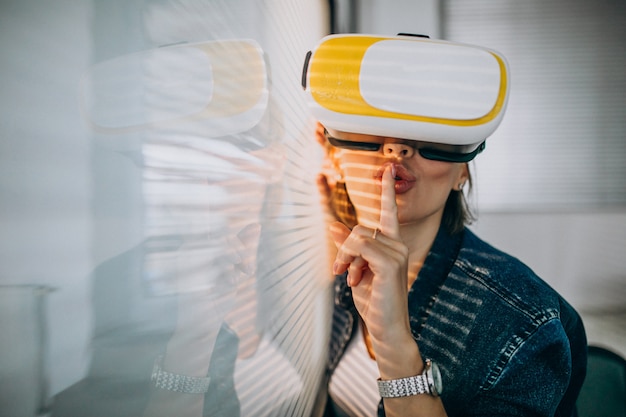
column 422, row 185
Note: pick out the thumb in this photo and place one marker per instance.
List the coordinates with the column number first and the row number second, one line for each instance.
column 339, row 232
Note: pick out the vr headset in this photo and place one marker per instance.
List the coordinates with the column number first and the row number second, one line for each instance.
column 218, row 88
column 443, row 98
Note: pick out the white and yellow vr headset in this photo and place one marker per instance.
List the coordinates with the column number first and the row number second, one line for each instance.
column 445, row 97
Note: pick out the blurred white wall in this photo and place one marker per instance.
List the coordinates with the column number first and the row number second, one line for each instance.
column 391, row 17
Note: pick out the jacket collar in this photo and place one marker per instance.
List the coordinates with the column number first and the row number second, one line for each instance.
column 436, row 268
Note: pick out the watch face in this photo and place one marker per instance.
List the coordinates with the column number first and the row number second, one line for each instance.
column 437, row 383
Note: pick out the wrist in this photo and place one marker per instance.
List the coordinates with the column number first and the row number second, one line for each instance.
column 428, row 382
column 399, row 359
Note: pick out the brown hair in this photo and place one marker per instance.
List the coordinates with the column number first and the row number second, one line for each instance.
column 457, row 212
column 341, row 205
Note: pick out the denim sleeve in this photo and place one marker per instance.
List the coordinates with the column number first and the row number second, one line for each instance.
column 533, row 380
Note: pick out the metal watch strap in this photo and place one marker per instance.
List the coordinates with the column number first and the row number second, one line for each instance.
column 178, row 383
column 403, row 387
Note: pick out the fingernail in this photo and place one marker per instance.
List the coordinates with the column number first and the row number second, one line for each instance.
column 393, row 171
column 335, row 267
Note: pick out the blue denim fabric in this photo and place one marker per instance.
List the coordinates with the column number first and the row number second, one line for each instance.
column 507, row 344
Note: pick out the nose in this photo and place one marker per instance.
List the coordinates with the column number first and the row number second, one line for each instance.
column 398, row 150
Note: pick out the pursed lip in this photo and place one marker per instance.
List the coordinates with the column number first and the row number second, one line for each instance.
column 404, row 179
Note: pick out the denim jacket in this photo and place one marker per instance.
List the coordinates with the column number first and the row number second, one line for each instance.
column 506, row 343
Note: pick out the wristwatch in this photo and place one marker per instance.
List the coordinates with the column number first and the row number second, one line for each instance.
column 429, row 382
column 176, row 382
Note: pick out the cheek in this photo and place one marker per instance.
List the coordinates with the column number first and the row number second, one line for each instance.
column 436, row 180
column 441, row 174
column 358, row 173
column 359, row 170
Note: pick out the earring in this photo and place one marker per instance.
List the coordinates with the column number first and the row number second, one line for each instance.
column 461, row 185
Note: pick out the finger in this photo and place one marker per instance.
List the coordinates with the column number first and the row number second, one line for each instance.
column 388, row 208
column 355, row 271
column 339, row 233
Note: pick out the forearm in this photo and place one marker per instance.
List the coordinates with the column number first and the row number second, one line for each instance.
column 402, row 359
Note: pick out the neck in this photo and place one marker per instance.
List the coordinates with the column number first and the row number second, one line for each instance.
column 419, row 238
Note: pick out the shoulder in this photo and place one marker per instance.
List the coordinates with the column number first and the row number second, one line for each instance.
column 492, row 317
column 508, row 279
column 525, row 313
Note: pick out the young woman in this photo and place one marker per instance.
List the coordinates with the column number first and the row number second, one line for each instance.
column 419, row 294
column 429, row 320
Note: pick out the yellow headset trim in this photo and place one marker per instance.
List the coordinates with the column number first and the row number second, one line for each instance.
column 334, row 82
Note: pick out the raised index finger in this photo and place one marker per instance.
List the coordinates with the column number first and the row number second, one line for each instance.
column 388, row 208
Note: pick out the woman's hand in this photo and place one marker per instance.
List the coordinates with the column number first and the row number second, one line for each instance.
column 377, row 268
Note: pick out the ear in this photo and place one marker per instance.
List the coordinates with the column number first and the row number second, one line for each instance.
column 462, row 178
